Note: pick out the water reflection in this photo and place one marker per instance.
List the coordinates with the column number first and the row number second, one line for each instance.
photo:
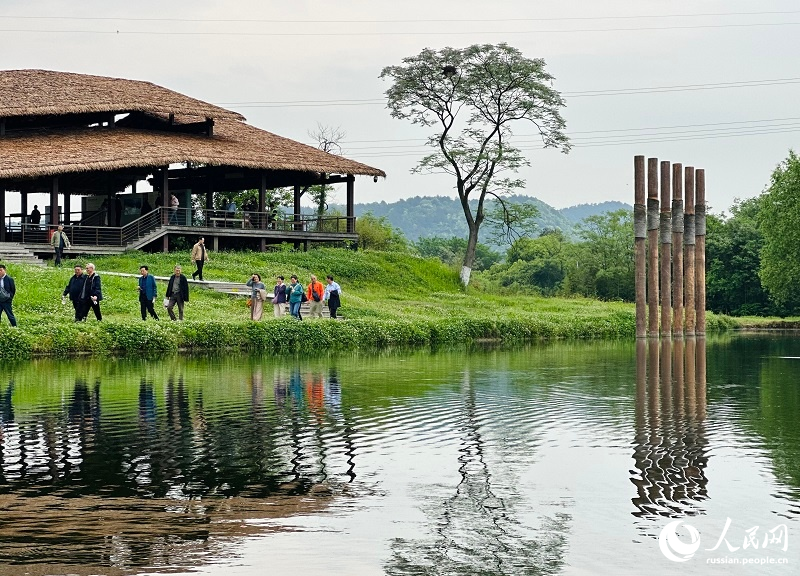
column 491, row 462
column 670, row 447
column 162, row 479
column 476, row 530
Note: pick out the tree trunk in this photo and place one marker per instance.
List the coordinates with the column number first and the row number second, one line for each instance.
column 469, row 255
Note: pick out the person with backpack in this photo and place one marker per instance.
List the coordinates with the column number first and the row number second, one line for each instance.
column 314, row 295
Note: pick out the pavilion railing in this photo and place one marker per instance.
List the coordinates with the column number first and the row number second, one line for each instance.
column 102, row 235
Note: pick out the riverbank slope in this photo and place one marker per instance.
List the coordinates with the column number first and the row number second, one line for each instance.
column 389, row 299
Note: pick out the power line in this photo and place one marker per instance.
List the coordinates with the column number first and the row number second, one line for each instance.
column 577, row 94
column 400, row 21
column 386, row 33
column 644, row 140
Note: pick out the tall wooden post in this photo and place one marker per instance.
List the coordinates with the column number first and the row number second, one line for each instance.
column 53, row 203
column 688, row 252
column 677, row 249
column 23, row 204
column 296, row 226
column 700, row 250
column 165, row 205
column 2, row 214
column 262, row 200
column 351, row 212
column 640, row 235
column 652, row 246
column 67, row 207
column 665, row 232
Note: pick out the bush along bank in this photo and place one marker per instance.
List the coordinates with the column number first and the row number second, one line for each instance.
column 287, row 335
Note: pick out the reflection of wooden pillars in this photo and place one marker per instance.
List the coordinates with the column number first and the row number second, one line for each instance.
column 665, row 233
column 669, row 249
column 652, row 246
column 640, row 235
column 688, row 252
column 700, row 251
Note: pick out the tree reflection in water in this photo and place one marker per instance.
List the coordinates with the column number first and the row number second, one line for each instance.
column 475, row 531
column 670, row 447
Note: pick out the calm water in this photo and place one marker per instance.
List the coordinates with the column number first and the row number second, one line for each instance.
column 555, row 459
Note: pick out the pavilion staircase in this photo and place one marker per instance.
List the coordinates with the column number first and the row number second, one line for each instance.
column 12, row 252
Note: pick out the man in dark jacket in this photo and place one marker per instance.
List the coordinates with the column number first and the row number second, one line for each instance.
column 7, row 291
column 177, row 292
column 147, row 293
column 73, row 290
column 91, row 294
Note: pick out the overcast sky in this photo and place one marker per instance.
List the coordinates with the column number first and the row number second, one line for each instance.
column 258, row 56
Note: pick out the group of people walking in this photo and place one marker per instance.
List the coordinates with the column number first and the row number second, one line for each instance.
column 85, row 291
column 177, row 293
column 293, row 295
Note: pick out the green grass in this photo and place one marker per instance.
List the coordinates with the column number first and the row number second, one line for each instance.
column 389, row 299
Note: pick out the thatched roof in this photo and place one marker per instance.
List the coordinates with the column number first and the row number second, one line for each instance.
column 44, row 92
column 62, row 151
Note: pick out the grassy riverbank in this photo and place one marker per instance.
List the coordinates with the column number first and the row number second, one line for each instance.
column 389, row 300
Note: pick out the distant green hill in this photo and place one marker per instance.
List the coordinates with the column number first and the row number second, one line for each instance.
column 577, row 213
column 425, row 216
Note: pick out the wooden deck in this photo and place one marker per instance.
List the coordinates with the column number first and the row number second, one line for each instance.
column 154, row 231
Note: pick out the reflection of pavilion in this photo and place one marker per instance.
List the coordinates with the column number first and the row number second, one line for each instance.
column 91, row 137
column 671, row 446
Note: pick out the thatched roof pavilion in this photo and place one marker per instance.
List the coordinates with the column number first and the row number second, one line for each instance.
column 79, row 135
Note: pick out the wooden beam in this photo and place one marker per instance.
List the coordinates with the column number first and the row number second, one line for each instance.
column 351, row 214
column 297, row 194
column 688, row 253
column 67, row 207
column 262, row 199
column 665, row 233
column 165, row 200
column 652, row 246
column 700, row 251
column 677, row 249
column 54, row 219
column 2, row 214
column 640, row 236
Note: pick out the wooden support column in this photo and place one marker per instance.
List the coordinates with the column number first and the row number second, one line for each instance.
column 700, row 251
column 640, row 235
column 262, row 201
column 652, row 246
column 2, row 214
column 677, row 249
column 665, row 232
column 688, row 252
column 296, row 225
column 67, row 208
column 351, row 213
column 54, row 219
column 165, row 204
column 23, row 204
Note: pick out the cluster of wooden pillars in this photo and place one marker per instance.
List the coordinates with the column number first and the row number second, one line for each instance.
column 670, row 249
